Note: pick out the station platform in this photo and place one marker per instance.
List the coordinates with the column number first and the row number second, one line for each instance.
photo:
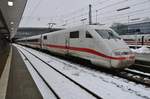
column 15, row 79
column 4, row 52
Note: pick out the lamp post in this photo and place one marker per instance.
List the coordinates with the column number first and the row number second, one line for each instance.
column 136, row 32
column 90, row 14
column 96, row 16
column 83, row 20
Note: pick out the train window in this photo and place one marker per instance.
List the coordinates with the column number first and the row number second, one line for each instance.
column 32, row 40
column 45, row 37
column 88, row 35
column 139, row 39
column 74, row 34
column 128, row 39
column 149, row 39
column 107, row 34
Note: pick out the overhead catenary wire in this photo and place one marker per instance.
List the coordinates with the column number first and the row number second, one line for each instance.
column 70, row 14
column 34, row 9
column 125, row 20
column 77, row 15
column 132, row 13
column 114, row 4
column 133, row 5
column 38, row 4
column 105, row 6
column 128, row 13
column 114, row 17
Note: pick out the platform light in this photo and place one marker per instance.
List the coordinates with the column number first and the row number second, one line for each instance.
column 11, row 22
column 10, row 3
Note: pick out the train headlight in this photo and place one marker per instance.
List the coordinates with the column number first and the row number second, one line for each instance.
column 117, row 53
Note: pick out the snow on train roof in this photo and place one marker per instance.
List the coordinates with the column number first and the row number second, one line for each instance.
column 93, row 26
column 31, row 37
column 81, row 27
column 72, row 28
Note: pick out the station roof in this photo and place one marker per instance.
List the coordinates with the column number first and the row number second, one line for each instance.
column 11, row 12
column 30, row 31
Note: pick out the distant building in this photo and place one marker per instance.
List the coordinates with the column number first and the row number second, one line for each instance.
column 30, row 31
column 142, row 27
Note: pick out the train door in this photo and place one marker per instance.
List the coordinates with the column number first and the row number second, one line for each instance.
column 41, row 43
column 89, row 40
column 142, row 40
column 44, row 40
column 67, row 41
column 74, row 43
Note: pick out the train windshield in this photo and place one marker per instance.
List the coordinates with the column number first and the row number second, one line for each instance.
column 107, row 34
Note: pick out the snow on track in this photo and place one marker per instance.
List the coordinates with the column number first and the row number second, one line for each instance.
column 104, row 85
column 43, row 88
column 140, row 72
column 62, row 86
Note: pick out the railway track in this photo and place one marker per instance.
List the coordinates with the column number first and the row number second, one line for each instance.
column 131, row 75
column 141, row 67
column 136, row 76
column 85, row 93
column 138, row 73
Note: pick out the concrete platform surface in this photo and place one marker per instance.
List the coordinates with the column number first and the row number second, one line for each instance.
column 4, row 52
column 4, row 77
column 20, row 83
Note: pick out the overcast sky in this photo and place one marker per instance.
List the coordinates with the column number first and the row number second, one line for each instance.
column 38, row 13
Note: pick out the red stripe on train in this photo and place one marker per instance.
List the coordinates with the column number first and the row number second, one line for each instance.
column 91, row 51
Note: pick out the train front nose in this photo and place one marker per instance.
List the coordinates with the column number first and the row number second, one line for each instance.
column 127, row 62
column 125, row 59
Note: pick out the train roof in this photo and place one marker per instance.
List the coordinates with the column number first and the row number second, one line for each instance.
column 81, row 27
column 90, row 26
column 31, row 37
column 71, row 28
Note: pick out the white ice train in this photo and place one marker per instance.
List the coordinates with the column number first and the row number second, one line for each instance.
column 98, row 44
column 137, row 40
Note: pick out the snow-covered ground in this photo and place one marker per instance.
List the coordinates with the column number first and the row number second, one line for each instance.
column 105, row 85
column 142, row 53
column 43, row 88
column 143, row 49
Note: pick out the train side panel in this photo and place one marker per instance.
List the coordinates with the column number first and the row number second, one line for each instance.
column 55, row 42
column 98, row 44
